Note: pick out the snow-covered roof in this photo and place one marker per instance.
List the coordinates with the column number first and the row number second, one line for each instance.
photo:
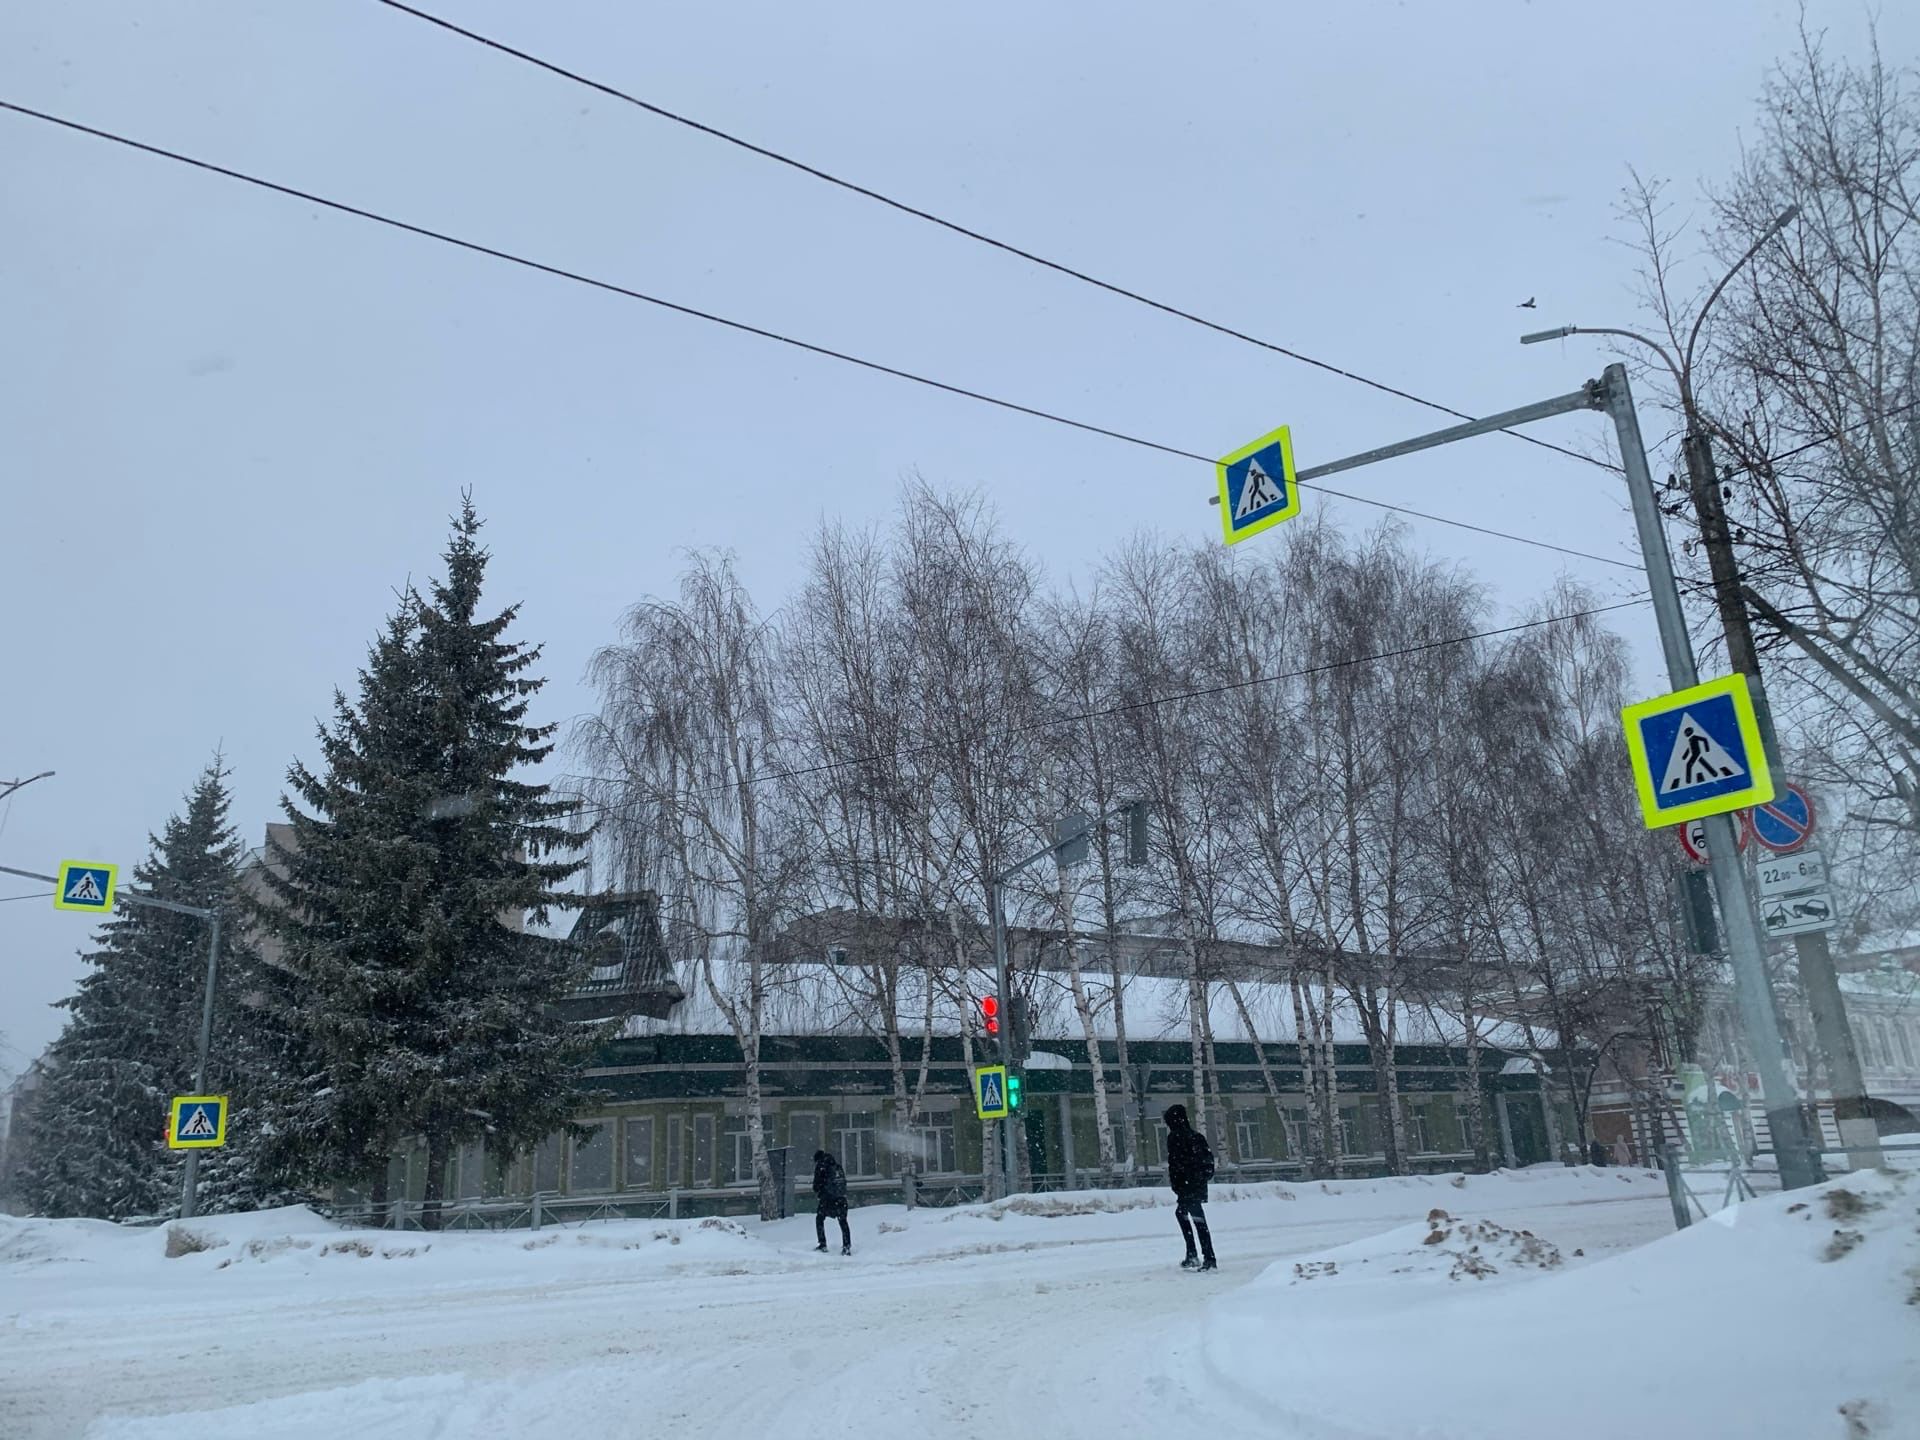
column 815, row 998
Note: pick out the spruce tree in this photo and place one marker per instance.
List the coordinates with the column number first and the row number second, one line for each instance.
column 418, row 857
column 96, row 1142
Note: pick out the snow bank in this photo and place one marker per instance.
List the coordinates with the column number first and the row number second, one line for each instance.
column 1792, row 1316
column 52, row 1266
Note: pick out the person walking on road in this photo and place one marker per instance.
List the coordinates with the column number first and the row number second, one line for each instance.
column 1189, row 1168
column 830, row 1196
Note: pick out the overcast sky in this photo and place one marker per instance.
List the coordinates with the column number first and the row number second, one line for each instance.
column 231, row 424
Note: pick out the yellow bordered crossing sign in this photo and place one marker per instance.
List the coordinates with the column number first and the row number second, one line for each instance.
column 1257, row 486
column 990, row 1092
column 1697, row 752
column 197, row 1122
column 85, row 885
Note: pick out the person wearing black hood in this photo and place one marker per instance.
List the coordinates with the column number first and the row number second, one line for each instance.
column 830, row 1195
column 1189, row 1168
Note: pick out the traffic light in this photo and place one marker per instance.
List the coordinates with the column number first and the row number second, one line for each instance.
column 1013, row 1091
column 990, row 1014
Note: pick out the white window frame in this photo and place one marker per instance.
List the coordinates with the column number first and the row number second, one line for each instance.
column 839, row 1126
column 1249, row 1117
column 934, row 1132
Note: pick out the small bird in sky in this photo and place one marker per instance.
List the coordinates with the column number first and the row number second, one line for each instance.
column 1526, row 304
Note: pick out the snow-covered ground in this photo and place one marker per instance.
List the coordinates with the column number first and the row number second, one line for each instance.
column 1334, row 1318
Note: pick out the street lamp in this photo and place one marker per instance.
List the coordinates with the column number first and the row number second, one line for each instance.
column 1857, row 1130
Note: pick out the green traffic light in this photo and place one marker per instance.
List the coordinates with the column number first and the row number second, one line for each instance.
column 1013, row 1092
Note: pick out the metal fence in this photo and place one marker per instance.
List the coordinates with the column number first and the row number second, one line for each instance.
column 550, row 1208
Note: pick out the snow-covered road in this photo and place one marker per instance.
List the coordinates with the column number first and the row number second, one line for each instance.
column 1057, row 1325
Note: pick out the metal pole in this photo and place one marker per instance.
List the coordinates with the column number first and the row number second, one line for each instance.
column 1582, row 399
column 1745, row 947
column 190, row 1174
column 1818, row 980
column 1009, row 1156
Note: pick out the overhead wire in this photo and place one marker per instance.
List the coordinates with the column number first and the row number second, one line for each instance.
column 955, row 227
column 744, row 327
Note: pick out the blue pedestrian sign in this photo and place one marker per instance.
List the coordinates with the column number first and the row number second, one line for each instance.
column 1697, row 752
column 990, row 1092
column 1785, row 823
column 1257, row 486
column 197, row 1122
column 85, row 885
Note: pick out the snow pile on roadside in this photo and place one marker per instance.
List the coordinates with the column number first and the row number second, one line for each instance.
column 1792, row 1316
column 1443, row 1248
column 59, row 1265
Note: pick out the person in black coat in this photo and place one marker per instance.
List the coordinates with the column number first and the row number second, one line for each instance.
column 830, row 1194
column 1189, row 1168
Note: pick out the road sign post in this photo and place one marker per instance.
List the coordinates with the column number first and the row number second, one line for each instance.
column 93, row 877
column 1613, row 395
column 1792, row 1146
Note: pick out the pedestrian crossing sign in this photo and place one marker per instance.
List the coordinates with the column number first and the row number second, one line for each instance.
column 85, row 885
column 990, row 1092
column 1697, row 752
column 197, row 1122
column 1257, row 488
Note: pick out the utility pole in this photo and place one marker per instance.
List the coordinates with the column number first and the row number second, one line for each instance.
column 1818, row 978
column 1745, row 943
column 1746, row 946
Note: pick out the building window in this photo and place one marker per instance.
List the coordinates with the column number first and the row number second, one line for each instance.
column 736, row 1150
column 676, row 1151
column 1247, row 1136
column 1418, row 1132
column 593, row 1161
column 1900, row 1033
column 1886, row 1044
column 546, row 1164
column 702, row 1150
column 640, row 1153
column 933, row 1138
column 1291, row 1123
column 853, row 1141
column 806, row 1133
column 1345, row 1130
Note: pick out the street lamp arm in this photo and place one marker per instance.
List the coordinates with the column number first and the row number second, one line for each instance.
column 7, row 787
column 1652, row 344
column 1780, row 222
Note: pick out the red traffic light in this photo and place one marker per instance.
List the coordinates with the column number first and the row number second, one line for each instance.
column 990, row 1013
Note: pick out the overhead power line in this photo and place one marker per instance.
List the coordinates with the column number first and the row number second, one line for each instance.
column 1770, row 461
column 1055, row 722
column 1058, row 267
column 745, row 328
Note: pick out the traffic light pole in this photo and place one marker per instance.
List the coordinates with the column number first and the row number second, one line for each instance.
column 998, row 900
column 1009, row 1153
column 1745, row 944
column 190, row 1172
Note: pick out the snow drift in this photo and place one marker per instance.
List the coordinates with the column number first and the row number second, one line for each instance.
column 1792, row 1316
